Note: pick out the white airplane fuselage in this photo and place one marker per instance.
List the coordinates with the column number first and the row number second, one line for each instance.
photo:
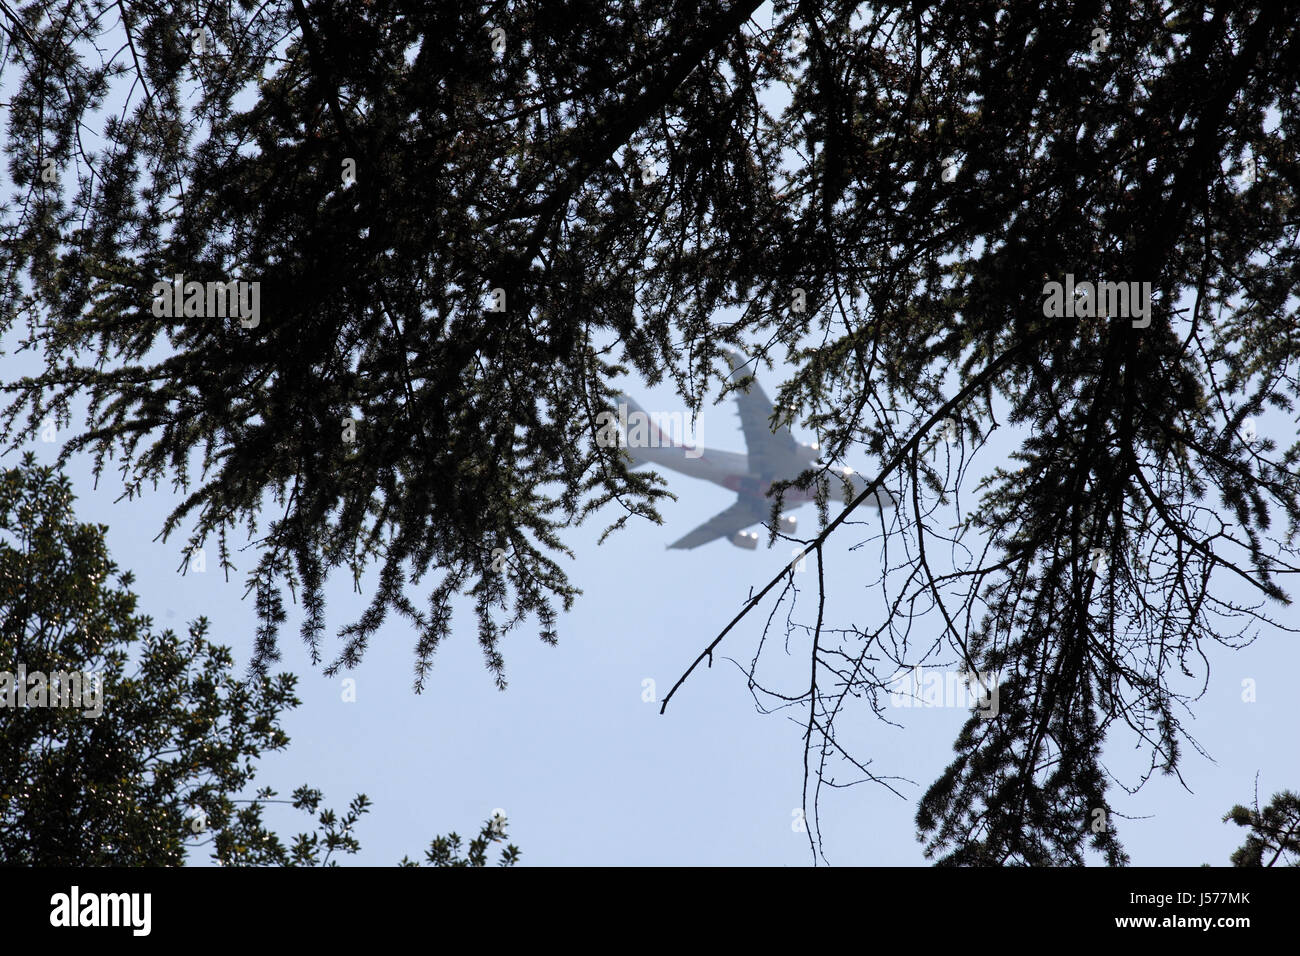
column 773, row 456
column 726, row 468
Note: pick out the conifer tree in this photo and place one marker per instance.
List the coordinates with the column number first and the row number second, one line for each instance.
column 1274, row 832
column 467, row 219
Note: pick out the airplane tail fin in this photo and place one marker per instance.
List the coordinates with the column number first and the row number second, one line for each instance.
column 631, row 405
column 648, row 442
column 630, row 402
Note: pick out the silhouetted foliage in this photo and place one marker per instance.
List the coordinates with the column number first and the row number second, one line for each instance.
column 648, row 183
column 445, row 851
column 158, row 771
column 1274, row 832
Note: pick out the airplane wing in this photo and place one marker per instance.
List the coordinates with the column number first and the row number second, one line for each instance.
column 725, row 523
column 770, row 453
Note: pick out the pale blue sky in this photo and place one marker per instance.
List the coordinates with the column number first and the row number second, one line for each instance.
column 587, row 772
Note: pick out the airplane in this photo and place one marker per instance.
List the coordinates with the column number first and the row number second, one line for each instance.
column 772, row 456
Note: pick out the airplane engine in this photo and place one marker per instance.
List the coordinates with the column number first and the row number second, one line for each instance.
column 788, row 524
column 745, row 539
column 808, row 453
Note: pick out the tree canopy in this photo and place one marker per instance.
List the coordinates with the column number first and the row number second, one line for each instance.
column 156, row 766
column 1274, row 832
column 467, row 219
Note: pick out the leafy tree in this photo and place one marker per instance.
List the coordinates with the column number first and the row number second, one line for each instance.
column 645, row 184
column 445, row 851
column 157, row 772
column 1274, row 832
column 255, row 845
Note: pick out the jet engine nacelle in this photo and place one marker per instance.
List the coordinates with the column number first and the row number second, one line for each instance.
column 788, row 524
column 745, row 539
column 808, row 453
